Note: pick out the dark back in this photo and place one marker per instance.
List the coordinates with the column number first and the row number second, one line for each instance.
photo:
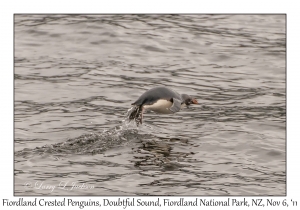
column 154, row 94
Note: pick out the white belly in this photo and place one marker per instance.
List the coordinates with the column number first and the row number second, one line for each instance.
column 161, row 106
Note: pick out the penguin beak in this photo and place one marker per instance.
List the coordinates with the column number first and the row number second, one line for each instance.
column 194, row 101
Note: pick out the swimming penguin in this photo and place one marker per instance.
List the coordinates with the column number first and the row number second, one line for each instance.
column 162, row 100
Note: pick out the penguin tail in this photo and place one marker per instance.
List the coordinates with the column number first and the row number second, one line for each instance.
column 137, row 115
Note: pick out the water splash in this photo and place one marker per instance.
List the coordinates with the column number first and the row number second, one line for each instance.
column 126, row 122
column 134, row 124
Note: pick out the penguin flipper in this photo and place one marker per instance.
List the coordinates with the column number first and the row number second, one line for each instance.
column 176, row 105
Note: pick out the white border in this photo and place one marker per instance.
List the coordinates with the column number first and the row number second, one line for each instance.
column 8, row 8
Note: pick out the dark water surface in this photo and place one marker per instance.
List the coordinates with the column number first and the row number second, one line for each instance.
column 76, row 76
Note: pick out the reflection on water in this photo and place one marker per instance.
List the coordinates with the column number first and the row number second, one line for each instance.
column 76, row 76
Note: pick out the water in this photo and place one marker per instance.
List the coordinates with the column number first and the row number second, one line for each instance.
column 76, row 76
